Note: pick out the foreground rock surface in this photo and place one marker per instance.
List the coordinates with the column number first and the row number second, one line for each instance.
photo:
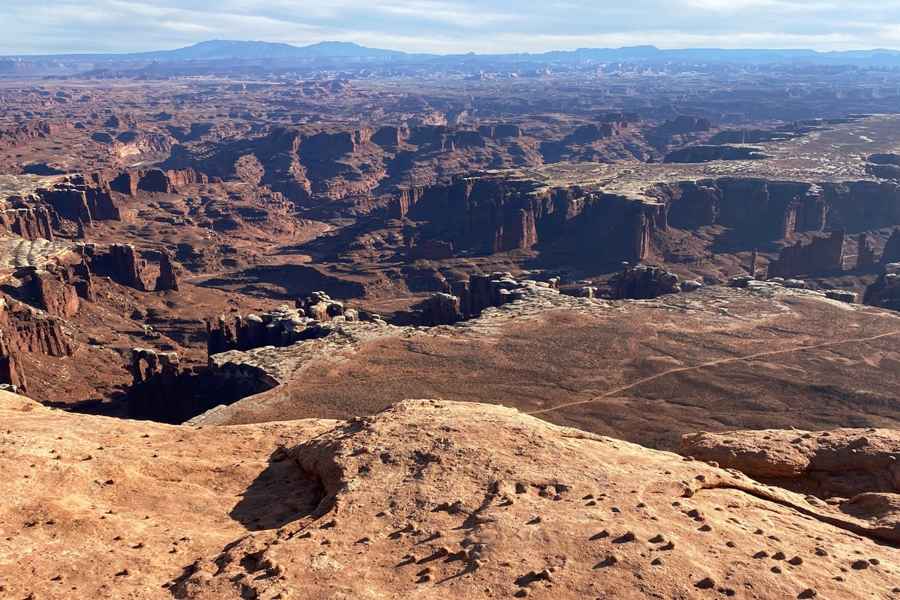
column 428, row 499
column 856, row 470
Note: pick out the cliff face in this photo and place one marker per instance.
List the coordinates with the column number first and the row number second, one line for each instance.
column 84, row 198
column 30, row 330
column 891, row 252
column 759, row 212
column 862, row 205
column 498, row 215
column 758, row 209
column 822, row 255
column 29, row 222
column 167, row 182
column 144, row 270
column 775, row 210
column 10, row 372
column 35, row 300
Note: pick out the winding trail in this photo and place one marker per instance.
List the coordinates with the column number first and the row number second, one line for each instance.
column 713, row 363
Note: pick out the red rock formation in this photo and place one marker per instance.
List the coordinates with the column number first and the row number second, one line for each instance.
column 681, row 128
column 329, row 146
column 320, row 306
column 69, row 202
column 643, row 282
column 482, row 291
column 29, row 222
column 822, row 255
column 53, row 293
column 126, row 183
column 390, row 136
column 169, row 182
column 498, row 215
column 760, row 210
column 31, row 330
column 127, row 266
column 167, row 279
column 146, row 365
column 862, row 205
column 280, row 327
column 10, row 371
column 440, row 309
column 84, row 198
column 31, row 130
column 500, row 131
column 181, row 178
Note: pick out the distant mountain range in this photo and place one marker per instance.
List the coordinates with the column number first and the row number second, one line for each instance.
column 229, row 49
column 216, row 50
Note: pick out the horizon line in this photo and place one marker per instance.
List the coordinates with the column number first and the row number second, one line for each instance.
column 469, row 53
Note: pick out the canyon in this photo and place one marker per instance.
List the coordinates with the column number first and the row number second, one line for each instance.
column 383, row 325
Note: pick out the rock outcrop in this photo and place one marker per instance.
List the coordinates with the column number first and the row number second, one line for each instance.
column 144, row 270
column 841, row 462
column 643, row 282
column 484, row 291
column 281, row 327
column 30, row 130
column 760, row 210
column 682, row 128
column 86, row 198
column 320, row 307
column 822, row 255
column 27, row 220
column 856, row 470
column 885, row 291
column 440, row 309
column 56, row 291
column 146, row 365
column 429, row 499
column 757, row 209
column 165, row 391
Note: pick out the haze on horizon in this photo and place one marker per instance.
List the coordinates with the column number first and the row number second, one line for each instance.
column 449, row 26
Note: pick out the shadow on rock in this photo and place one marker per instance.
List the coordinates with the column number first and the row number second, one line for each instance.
column 282, row 493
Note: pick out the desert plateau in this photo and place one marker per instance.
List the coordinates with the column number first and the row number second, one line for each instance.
column 288, row 321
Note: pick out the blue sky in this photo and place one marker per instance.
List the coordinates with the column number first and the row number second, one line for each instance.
column 53, row 26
